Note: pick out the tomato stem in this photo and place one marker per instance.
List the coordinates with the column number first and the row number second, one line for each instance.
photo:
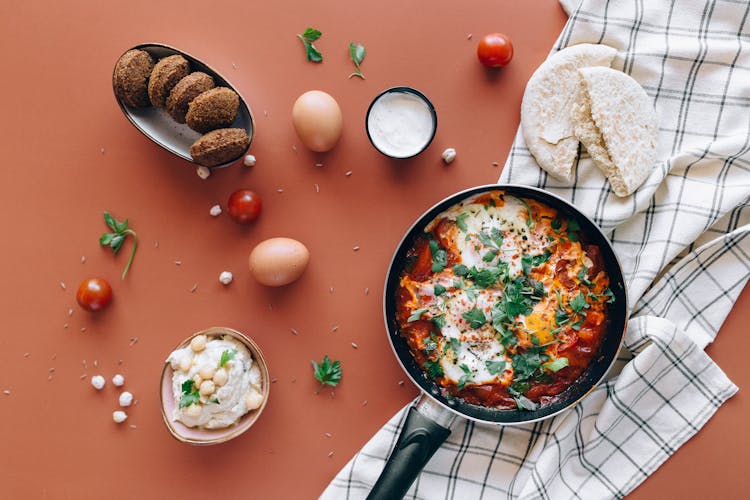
column 132, row 254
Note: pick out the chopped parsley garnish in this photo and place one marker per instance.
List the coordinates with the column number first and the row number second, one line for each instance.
column 439, row 321
column 556, row 364
column 475, row 317
column 489, row 256
column 461, row 222
column 460, row 270
column 327, row 372
column 190, row 394
column 439, row 257
column 561, row 317
column 417, row 314
column 578, row 304
column 529, row 217
column 577, row 325
column 583, row 274
column 573, row 228
column 527, row 364
column 465, row 377
column 494, row 367
column 522, row 401
column 430, row 344
column 434, row 370
column 439, row 290
column 454, row 345
column 538, row 260
column 227, row 356
column 486, row 278
column 526, row 264
column 556, row 224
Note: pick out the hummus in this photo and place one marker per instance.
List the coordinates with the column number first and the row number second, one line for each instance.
column 215, row 382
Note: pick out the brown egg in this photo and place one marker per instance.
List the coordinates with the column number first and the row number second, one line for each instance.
column 278, row 261
column 317, row 120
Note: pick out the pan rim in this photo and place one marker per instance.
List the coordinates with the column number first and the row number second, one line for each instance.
column 457, row 197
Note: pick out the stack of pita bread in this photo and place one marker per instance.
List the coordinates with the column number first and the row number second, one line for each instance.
column 575, row 96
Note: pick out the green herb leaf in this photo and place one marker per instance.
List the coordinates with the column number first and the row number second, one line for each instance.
column 439, row 290
column 455, row 345
column 495, row 367
column 486, row 278
column 556, row 224
column 430, row 345
column 357, row 53
column 556, row 364
column 327, row 372
column 538, row 260
column 526, row 264
column 190, row 394
column 460, row 270
column 573, row 228
column 526, row 364
column 561, row 317
column 308, row 37
column 227, row 356
column 106, row 239
column 490, row 256
column 578, row 303
column 417, row 314
column 610, row 296
column 116, row 239
column 434, row 370
column 311, row 34
column 110, row 221
column 439, row 321
column 439, row 257
column 475, row 317
column 522, row 401
column 461, row 222
column 529, row 219
column 116, row 242
column 583, row 274
column 465, row 377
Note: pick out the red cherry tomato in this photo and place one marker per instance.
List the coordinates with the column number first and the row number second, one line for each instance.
column 244, row 206
column 94, row 294
column 495, row 50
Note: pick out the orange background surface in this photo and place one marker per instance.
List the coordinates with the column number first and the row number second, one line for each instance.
column 69, row 154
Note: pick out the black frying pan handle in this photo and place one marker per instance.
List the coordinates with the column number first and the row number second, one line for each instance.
column 419, row 440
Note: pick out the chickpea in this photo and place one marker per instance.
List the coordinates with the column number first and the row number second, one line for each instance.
column 253, row 400
column 207, row 372
column 197, row 380
column 186, row 362
column 198, row 343
column 193, row 411
column 207, row 388
column 220, row 377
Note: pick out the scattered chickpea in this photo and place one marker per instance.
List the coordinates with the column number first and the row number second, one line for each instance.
column 197, row 380
column 249, row 161
column 126, row 399
column 118, row 380
column 220, row 377
column 215, row 211
column 193, row 411
column 203, row 172
column 98, row 382
column 449, row 155
column 207, row 372
column 119, row 416
column 186, row 362
column 226, row 277
column 207, row 388
column 198, row 343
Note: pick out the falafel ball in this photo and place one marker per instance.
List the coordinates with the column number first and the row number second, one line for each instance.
column 215, row 108
column 130, row 78
column 220, row 146
column 185, row 91
column 167, row 72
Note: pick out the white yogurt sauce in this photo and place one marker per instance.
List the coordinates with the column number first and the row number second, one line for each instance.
column 400, row 124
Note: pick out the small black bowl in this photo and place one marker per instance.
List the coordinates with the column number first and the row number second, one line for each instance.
column 403, row 90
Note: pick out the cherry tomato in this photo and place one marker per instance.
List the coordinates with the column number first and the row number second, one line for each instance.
column 94, row 294
column 495, row 50
column 244, row 206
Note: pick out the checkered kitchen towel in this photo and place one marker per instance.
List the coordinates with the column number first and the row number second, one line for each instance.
column 684, row 246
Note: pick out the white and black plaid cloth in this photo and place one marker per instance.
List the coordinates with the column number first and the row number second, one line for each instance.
column 682, row 239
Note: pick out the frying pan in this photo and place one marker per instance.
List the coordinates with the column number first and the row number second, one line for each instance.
column 428, row 421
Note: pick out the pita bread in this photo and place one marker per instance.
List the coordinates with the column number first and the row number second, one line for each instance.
column 616, row 122
column 548, row 101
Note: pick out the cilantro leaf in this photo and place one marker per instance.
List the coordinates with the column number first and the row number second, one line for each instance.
column 556, row 364
column 227, row 356
column 117, row 238
column 439, row 321
column 610, row 296
column 465, row 377
column 461, row 222
column 486, row 278
column 556, row 224
column 429, row 344
column 460, row 270
column 526, row 264
column 487, row 240
column 526, row 364
column 573, row 228
column 578, row 304
column 495, row 367
column 357, row 53
column 416, row 314
column 439, row 290
column 308, row 37
column 522, row 401
column 489, row 256
column 475, row 317
column 190, row 394
column 434, row 370
column 439, row 257
column 538, row 260
column 327, row 372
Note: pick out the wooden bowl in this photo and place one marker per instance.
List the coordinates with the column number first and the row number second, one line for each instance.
column 199, row 436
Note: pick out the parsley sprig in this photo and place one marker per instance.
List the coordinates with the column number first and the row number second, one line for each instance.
column 357, row 53
column 308, row 37
column 327, row 372
column 227, row 355
column 117, row 238
column 190, row 394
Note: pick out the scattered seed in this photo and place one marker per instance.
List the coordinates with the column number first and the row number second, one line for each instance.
column 274, row 380
column 468, row 37
column 82, row 376
column 333, row 395
column 194, row 288
column 331, row 289
column 294, row 331
column 62, row 285
column 317, row 188
column 280, row 190
column 178, row 263
column 364, row 403
column 156, row 244
column 83, row 259
column 270, row 307
column 265, row 113
column 84, row 363
column 234, row 66
column 495, row 164
column 26, row 354
column 215, row 210
column 119, row 361
column 133, row 341
column 367, row 291
column 54, row 357
column 101, row 150
column 318, row 164
column 70, row 311
column 348, row 173
column 83, row 329
column 328, row 435
column 7, row 392
column 49, row 378
column 330, row 454
column 96, row 364
column 66, row 326
column 401, row 383
column 294, row 148
column 132, row 426
column 51, row 370
column 355, row 248
column 294, row 379
column 354, row 345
